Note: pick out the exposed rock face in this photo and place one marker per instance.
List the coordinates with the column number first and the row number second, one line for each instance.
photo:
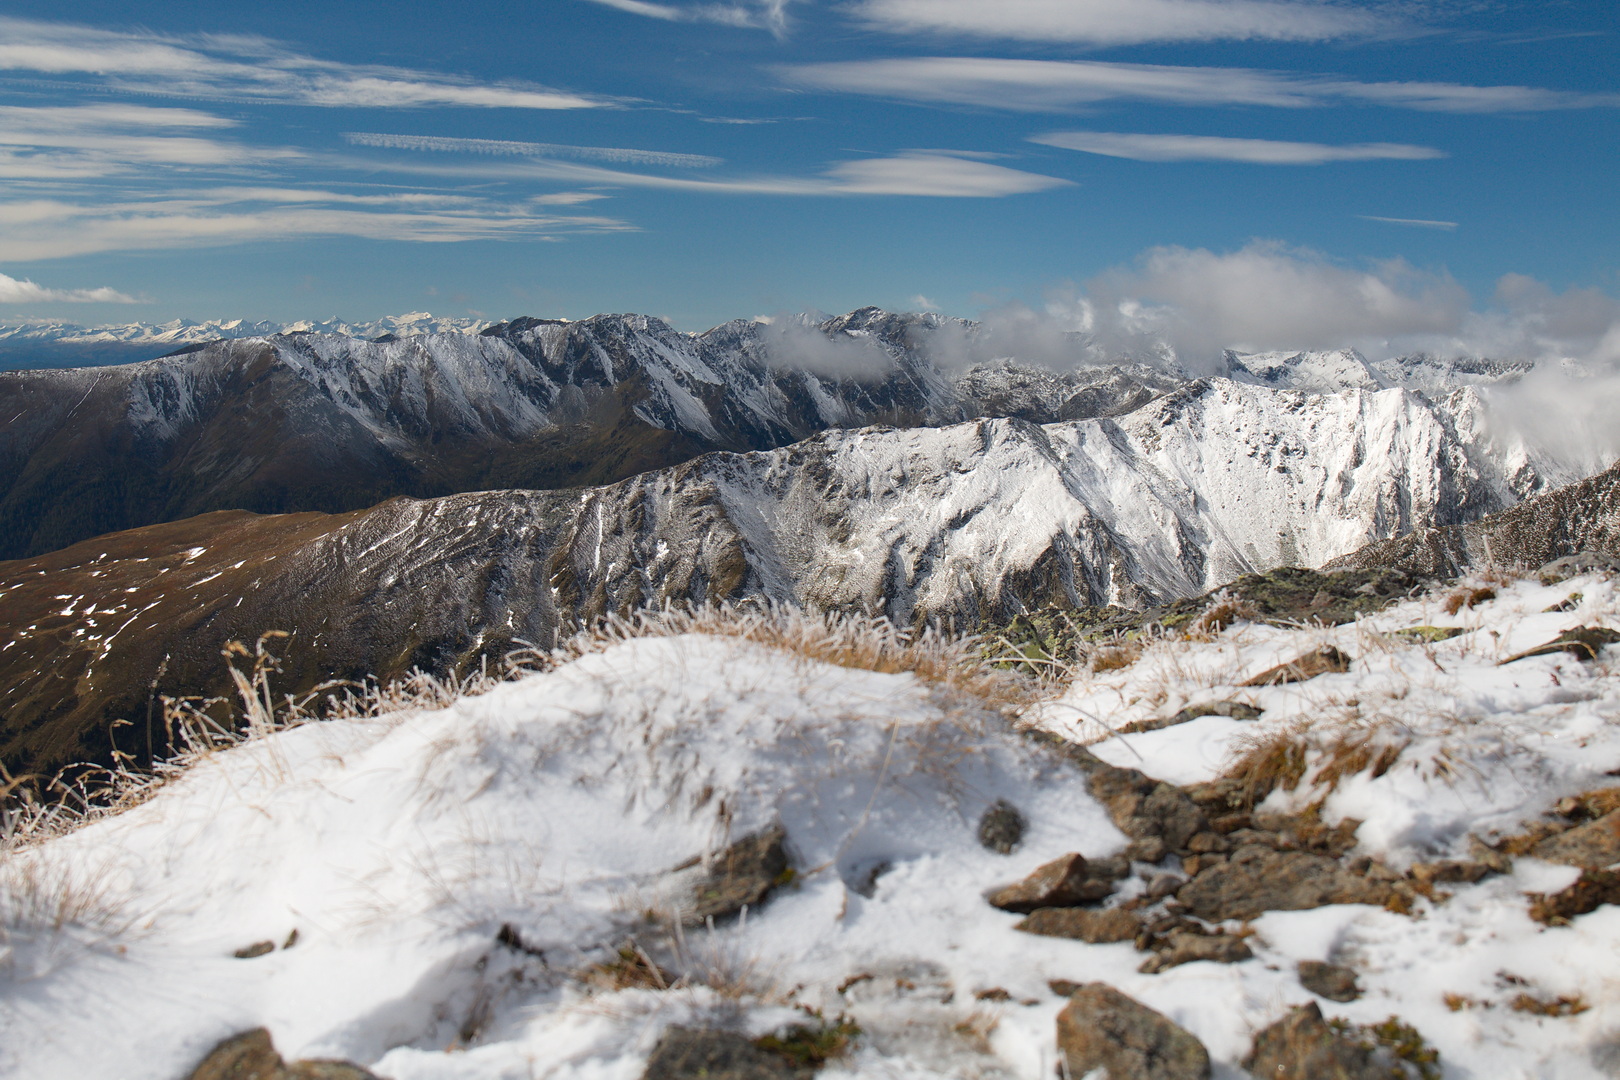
column 1580, row 517
column 1064, row 882
column 1257, row 879
column 1102, row 1028
column 698, row 1054
column 1301, row 1046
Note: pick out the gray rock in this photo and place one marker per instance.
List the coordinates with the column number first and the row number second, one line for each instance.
column 1101, row 1028
column 1001, row 829
column 1301, row 1046
column 702, row 1054
column 1064, row 882
column 1095, row 927
column 1187, row 947
column 741, row 876
column 1328, row 980
column 1146, row 809
column 1257, row 879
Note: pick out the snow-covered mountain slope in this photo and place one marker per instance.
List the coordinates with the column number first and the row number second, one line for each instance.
column 961, row 523
column 331, row 422
column 495, row 888
column 1581, row 517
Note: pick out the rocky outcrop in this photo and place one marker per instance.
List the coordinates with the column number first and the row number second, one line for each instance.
column 1101, row 1028
column 1580, row 517
column 1257, row 879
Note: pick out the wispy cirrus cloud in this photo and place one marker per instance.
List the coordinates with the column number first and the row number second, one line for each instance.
column 46, row 228
column 1146, row 147
column 15, row 291
column 1120, row 22
column 923, row 173
column 1416, row 223
column 244, row 69
column 508, row 148
column 1065, row 85
column 93, row 141
column 761, row 15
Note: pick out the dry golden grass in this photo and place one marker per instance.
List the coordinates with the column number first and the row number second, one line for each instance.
column 1326, row 753
column 1467, row 596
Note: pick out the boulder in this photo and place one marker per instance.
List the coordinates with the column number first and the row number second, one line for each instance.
column 1301, row 1046
column 1095, row 927
column 1146, row 809
column 1002, row 827
column 705, row 1054
column 741, row 876
column 1591, row 891
column 1101, row 1028
column 1064, row 882
column 1257, row 879
column 1328, row 980
column 1592, row 846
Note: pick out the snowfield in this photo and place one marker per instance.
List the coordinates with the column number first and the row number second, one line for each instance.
column 441, row 888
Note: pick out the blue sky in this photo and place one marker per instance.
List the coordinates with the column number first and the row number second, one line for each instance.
column 1280, row 173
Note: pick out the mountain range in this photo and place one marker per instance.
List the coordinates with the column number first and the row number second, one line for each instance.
column 433, row 501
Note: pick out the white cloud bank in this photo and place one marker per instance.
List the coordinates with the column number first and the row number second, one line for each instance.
column 1118, row 22
column 14, row 291
column 1217, row 148
column 1064, row 85
column 248, row 69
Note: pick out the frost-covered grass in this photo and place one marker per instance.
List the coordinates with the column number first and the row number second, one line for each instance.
column 484, row 886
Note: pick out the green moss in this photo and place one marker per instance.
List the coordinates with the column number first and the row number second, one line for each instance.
column 1429, row 634
column 813, row 1044
column 1413, row 1057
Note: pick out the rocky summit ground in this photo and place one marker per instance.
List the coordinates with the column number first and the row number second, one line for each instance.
column 772, row 845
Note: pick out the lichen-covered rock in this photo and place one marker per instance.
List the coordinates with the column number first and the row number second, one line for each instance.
column 1064, row 882
column 1095, row 927
column 1258, row 879
column 704, row 1054
column 1101, row 1028
column 1328, row 980
column 1187, row 946
column 1592, row 846
column 741, row 876
column 1001, row 829
column 1146, row 809
column 1301, row 1046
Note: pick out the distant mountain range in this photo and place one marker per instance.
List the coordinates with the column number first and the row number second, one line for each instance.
column 61, row 344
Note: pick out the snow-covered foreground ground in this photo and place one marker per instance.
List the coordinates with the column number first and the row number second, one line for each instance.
column 559, row 808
